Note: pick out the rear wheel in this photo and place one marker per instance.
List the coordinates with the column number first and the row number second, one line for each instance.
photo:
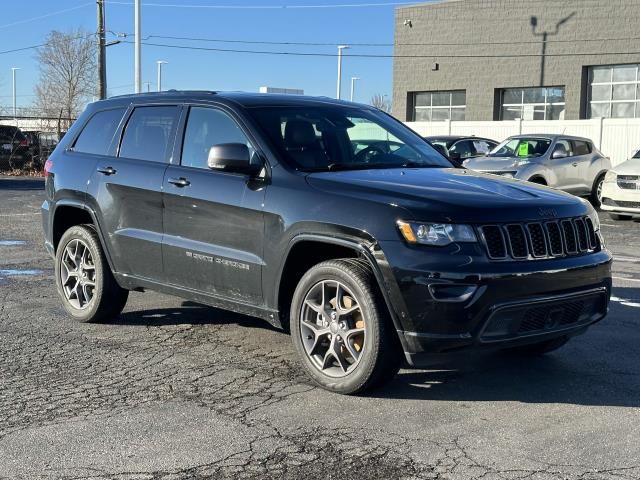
column 540, row 348
column 341, row 328
column 617, row 216
column 84, row 280
column 596, row 191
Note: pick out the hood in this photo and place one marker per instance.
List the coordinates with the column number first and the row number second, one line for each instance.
column 496, row 163
column 452, row 195
column 630, row 167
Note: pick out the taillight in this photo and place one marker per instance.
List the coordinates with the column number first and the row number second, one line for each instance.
column 48, row 165
column 24, row 143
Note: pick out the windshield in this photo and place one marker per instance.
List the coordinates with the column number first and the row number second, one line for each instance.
column 333, row 137
column 521, row 147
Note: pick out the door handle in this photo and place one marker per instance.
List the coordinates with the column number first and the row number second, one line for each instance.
column 575, row 164
column 179, row 182
column 107, row 171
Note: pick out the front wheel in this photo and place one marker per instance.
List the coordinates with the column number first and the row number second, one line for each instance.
column 340, row 327
column 85, row 283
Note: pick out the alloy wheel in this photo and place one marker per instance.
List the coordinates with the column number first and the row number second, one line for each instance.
column 332, row 327
column 78, row 274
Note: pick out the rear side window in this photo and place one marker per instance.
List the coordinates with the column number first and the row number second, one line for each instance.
column 148, row 133
column 98, row 133
column 581, row 148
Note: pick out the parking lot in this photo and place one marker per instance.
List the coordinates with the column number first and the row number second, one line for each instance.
column 174, row 390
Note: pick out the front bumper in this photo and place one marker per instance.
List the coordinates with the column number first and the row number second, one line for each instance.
column 512, row 303
column 619, row 200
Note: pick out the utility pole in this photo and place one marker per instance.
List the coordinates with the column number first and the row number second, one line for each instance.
column 353, row 86
column 15, row 109
column 102, row 52
column 160, row 63
column 339, row 83
column 138, row 46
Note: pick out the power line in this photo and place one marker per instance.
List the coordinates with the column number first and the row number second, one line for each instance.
column 47, row 15
column 367, row 55
column 355, row 44
column 269, row 7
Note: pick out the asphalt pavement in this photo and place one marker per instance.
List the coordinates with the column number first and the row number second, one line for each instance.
column 175, row 390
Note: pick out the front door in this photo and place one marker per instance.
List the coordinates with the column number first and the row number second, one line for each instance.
column 213, row 220
column 129, row 191
column 565, row 168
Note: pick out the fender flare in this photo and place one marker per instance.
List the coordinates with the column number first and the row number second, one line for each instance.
column 83, row 206
column 369, row 250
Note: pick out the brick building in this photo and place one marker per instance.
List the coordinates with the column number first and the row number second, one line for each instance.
column 483, row 60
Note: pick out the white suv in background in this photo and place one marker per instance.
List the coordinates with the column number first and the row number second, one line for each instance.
column 621, row 189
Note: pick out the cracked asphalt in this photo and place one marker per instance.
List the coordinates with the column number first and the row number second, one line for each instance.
column 175, row 390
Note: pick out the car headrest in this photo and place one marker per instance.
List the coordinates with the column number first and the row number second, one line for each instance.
column 299, row 133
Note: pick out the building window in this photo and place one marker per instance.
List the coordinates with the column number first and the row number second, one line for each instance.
column 436, row 106
column 613, row 91
column 544, row 103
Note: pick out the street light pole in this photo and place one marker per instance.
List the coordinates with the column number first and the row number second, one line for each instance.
column 339, row 83
column 13, row 74
column 138, row 46
column 353, row 86
column 160, row 63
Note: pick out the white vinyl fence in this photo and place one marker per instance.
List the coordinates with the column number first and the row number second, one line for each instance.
column 616, row 138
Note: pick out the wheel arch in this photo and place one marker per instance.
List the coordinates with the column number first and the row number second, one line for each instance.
column 68, row 213
column 330, row 247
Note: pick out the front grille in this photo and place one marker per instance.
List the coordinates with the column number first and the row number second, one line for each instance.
column 569, row 236
column 629, row 182
column 539, row 317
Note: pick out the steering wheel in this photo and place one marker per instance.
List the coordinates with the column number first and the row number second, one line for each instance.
column 368, row 152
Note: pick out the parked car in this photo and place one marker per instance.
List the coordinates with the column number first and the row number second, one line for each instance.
column 14, row 148
column 261, row 205
column 460, row 148
column 572, row 164
column 40, row 145
column 621, row 189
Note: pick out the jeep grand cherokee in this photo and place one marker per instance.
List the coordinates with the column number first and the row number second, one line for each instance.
column 326, row 218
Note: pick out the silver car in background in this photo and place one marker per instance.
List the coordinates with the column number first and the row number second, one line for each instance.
column 572, row 164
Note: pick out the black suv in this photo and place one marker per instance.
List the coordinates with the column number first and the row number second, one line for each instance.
column 329, row 219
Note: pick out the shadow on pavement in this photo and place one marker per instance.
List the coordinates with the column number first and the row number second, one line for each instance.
column 189, row 313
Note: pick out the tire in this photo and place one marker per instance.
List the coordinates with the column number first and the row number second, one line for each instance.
column 540, row 348
column 374, row 354
column 79, row 252
column 596, row 192
column 621, row 218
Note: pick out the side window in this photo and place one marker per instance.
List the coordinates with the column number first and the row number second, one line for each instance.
column 581, row 148
column 564, row 145
column 482, row 147
column 207, row 127
column 148, row 133
column 462, row 148
column 97, row 134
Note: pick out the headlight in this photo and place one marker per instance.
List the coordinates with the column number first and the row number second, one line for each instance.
column 610, row 177
column 436, row 234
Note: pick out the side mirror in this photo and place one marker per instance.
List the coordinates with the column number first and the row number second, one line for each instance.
column 232, row 157
column 560, row 153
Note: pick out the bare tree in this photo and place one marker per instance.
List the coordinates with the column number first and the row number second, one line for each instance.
column 379, row 101
column 67, row 73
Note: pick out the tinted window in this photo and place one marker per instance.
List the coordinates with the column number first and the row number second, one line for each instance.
column 564, row 146
column 462, row 148
column 98, row 132
column 206, row 128
column 581, row 148
column 148, row 132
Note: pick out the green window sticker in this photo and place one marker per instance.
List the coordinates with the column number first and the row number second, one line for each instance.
column 523, row 149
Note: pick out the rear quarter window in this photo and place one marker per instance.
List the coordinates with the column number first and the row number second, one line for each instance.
column 97, row 134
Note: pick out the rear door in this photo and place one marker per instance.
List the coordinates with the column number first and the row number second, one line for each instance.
column 213, row 220
column 128, row 190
